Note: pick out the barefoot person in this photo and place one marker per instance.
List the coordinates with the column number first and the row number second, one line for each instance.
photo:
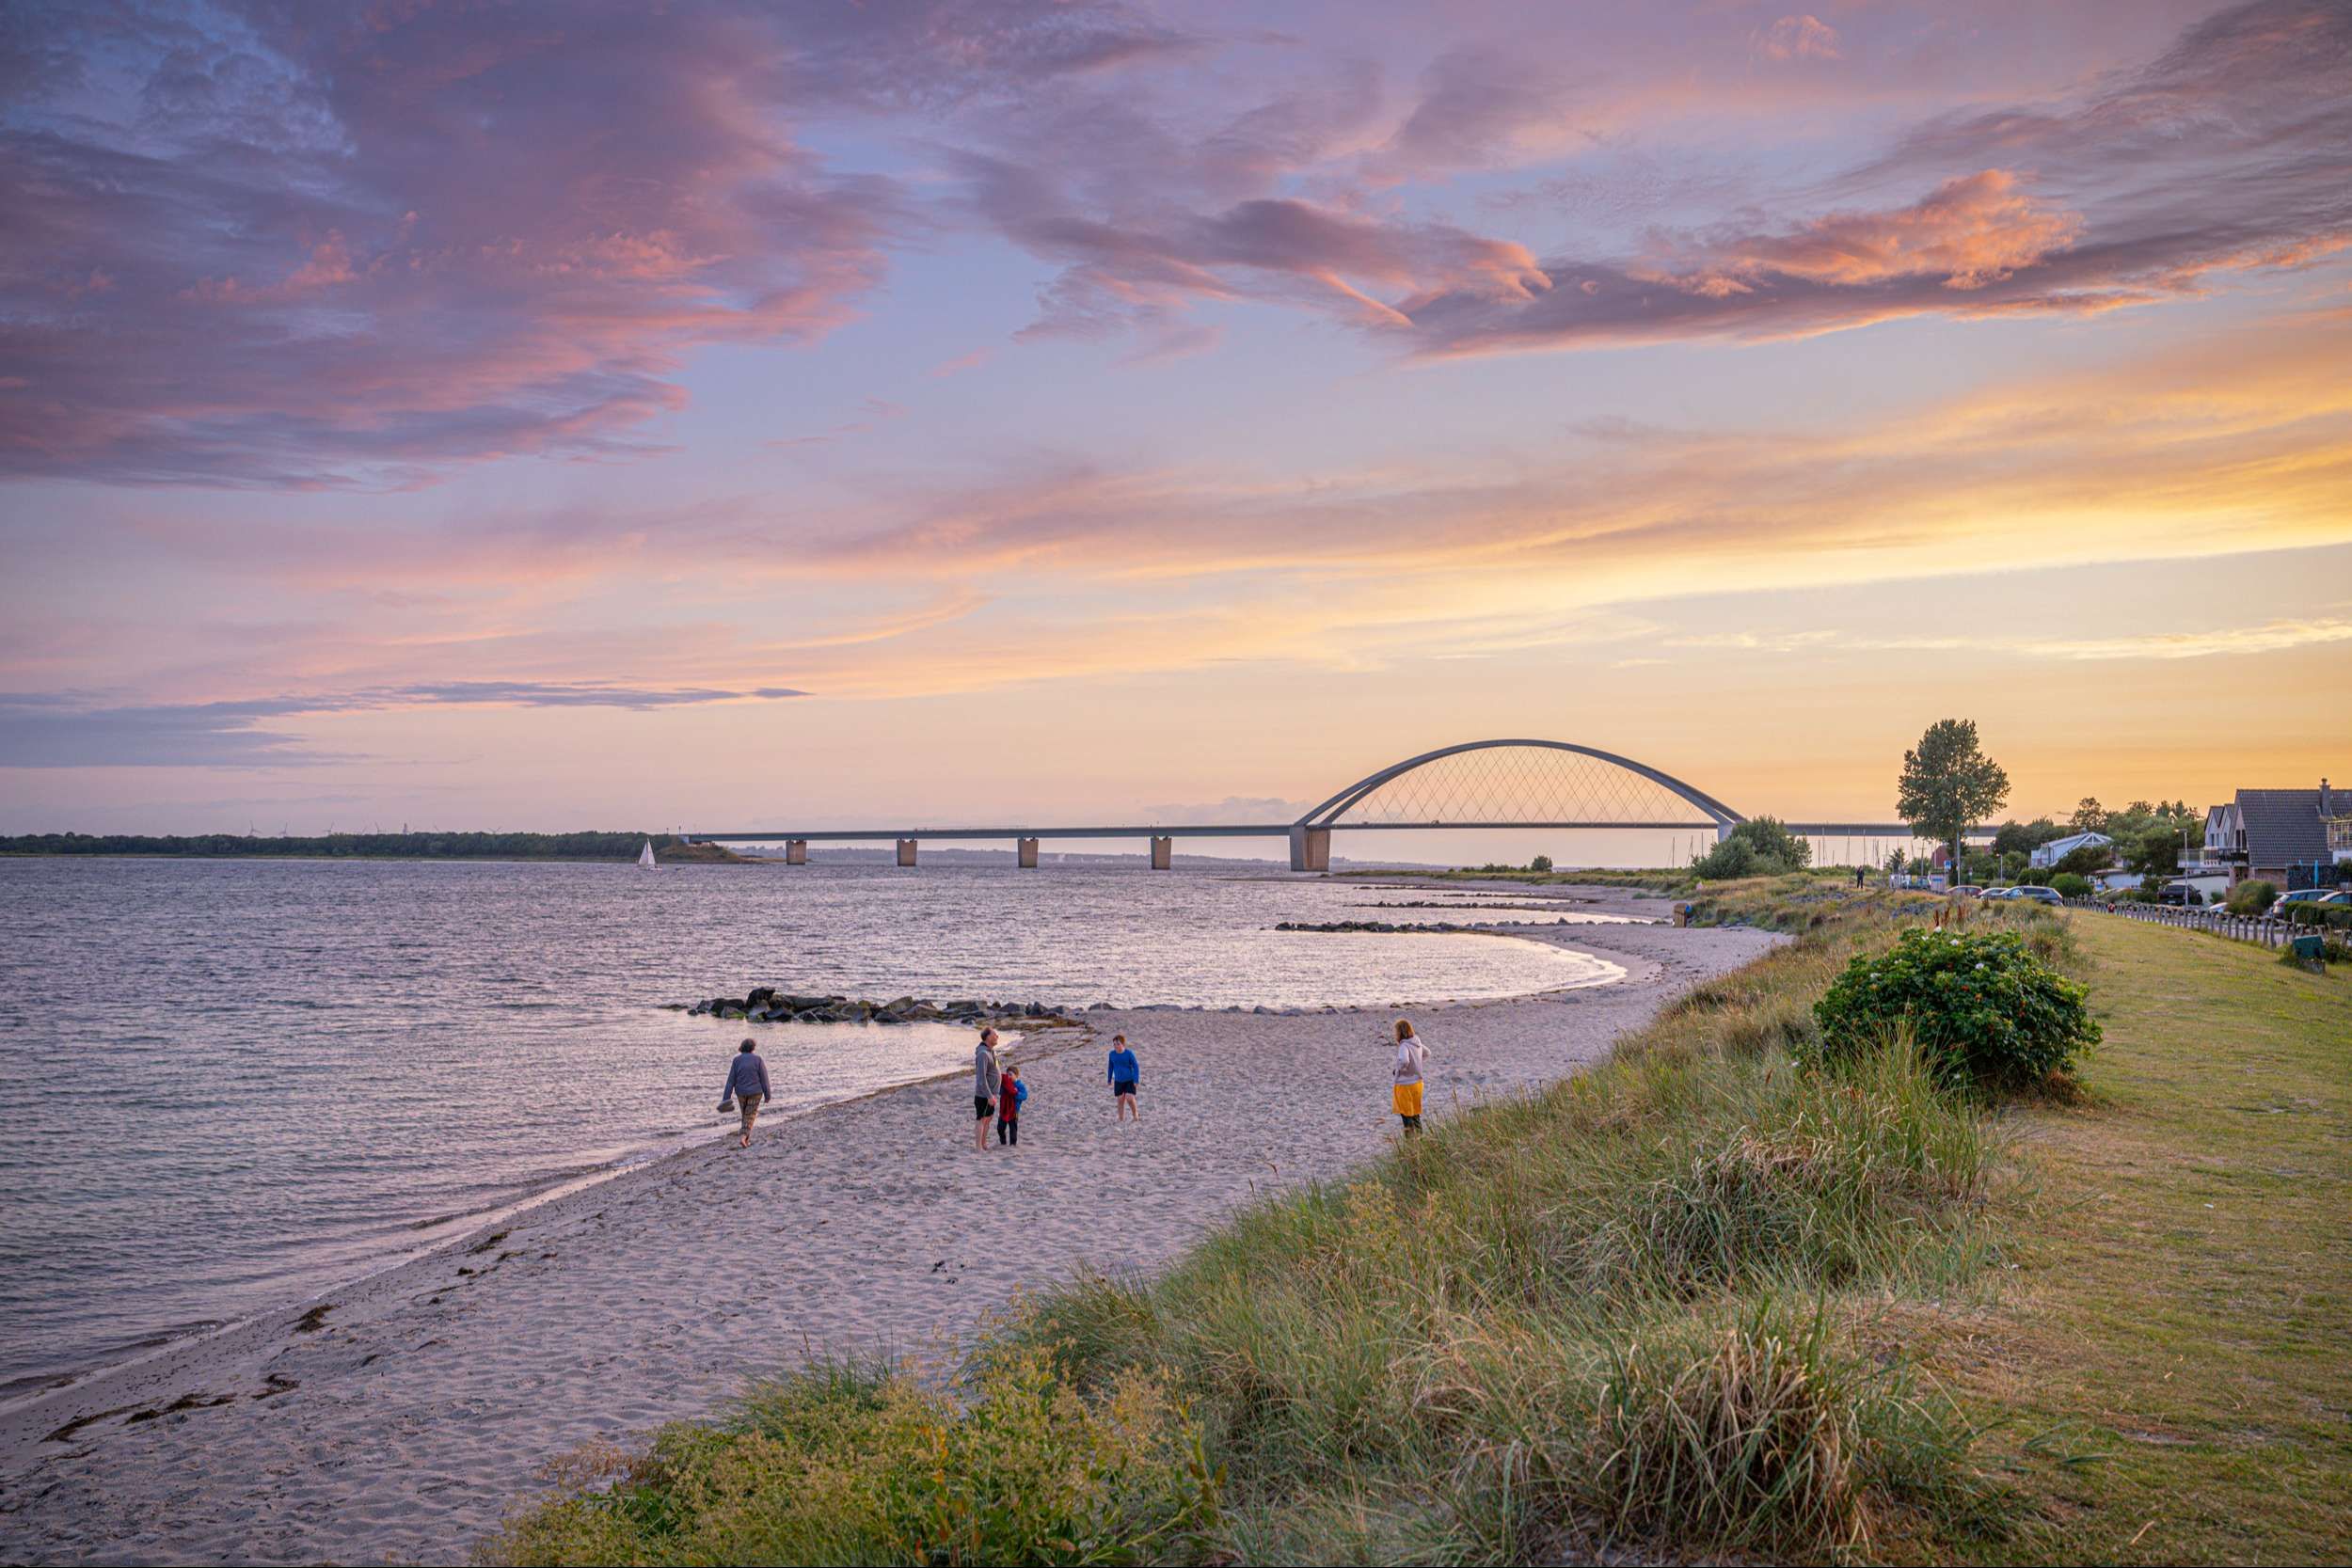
column 1124, row 1074
column 984, row 1080
column 747, row 1086
column 1406, row 1090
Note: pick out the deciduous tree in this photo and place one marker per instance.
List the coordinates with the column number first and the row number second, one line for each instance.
column 1949, row 784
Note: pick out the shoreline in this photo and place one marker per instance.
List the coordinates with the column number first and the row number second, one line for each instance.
column 401, row 1413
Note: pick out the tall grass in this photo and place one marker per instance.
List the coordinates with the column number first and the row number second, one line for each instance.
column 1630, row 1308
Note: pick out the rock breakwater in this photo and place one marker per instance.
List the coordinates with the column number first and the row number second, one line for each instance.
column 770, row 1005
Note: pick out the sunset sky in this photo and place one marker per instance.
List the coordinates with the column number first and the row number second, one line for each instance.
column 618, row 416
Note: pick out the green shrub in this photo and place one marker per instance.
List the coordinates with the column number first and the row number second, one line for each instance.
column 1758, row 847
column 1982, row 1007
column 2254, row 898
column 2067, row 885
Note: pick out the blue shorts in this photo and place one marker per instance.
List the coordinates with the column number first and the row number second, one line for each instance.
column 1124, row 1085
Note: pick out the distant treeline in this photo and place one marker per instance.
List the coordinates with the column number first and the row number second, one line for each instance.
column 499, row 847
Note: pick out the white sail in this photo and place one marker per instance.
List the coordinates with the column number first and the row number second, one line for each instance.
column 645, row 856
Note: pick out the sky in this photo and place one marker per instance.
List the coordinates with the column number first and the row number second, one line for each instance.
column 726, row 415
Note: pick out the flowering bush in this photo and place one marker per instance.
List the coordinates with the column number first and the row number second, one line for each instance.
column 1981, row 1007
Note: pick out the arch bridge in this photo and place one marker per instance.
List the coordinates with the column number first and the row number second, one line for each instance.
column 1485, row 784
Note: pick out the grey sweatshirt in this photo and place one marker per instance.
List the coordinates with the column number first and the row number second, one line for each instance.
column 983, row 1073
column 748, row 1075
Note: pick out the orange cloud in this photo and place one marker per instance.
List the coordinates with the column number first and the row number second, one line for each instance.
column 1969, row 231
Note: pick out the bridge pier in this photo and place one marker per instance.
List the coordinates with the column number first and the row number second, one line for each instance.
column 1310, row 849
column 1163, row 852
column 906, row 851
column 1028, row 847
column 795, row 851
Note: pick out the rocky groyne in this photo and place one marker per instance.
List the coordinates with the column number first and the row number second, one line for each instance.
column 769, row 1004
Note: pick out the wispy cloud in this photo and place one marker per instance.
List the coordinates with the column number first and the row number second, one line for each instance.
column 2219, row 642
column 54, row 730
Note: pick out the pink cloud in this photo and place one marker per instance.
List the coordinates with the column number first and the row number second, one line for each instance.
column 1975, row 230
column 1798, row 38
column 347, row 244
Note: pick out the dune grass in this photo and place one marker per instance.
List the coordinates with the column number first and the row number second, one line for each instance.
column 1695, row 1302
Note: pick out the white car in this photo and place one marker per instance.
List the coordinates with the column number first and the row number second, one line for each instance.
column 2310, row 896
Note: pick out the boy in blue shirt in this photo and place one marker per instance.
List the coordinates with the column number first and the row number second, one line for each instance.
column 1123, row 1074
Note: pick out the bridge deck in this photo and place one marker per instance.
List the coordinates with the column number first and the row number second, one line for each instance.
column 1271, row 830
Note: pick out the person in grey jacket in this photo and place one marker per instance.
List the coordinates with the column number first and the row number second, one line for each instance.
column 747, row 1086
column 984, row 1087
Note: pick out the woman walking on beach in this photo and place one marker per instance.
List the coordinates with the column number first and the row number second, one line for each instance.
column 1406, row 1089
column 984, row 1081
column 747, row 1086
column 1124, row 1074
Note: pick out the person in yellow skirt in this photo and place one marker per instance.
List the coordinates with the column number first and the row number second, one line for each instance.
column 1404, row 1093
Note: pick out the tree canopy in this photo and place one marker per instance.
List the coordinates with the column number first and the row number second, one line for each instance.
column 1758, row 847
column 1949, row 784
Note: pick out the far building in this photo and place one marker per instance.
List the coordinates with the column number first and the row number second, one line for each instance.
column 2297, row 838
column 2058, row 849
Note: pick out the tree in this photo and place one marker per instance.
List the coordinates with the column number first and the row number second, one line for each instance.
column 2084, row 859
column 2090, row 816
column 1758, row 847
column 1896, row 858
column 1949, row 784
column 2023, row 838
column 1541, row 863
column 2154, row 854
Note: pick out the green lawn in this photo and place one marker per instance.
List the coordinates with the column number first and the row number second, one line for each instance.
column 2168, row 1368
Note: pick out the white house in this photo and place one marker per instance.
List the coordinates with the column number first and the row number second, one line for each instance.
column 2058, row 849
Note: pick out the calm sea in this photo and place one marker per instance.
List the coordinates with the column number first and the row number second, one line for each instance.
column 226, row 1084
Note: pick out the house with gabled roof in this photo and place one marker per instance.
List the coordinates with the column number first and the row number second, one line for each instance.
column 2284, row 834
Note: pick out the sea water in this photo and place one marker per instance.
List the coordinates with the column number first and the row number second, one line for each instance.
column 226, row 1084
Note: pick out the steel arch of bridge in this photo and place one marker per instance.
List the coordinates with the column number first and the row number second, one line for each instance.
column 1326, row 815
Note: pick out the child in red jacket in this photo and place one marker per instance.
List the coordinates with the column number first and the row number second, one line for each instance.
column 1010, row 1093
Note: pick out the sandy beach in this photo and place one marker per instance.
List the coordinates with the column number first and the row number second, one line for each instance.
column 398, row 1418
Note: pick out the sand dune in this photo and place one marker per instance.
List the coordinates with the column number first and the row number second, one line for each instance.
column 397, row 1419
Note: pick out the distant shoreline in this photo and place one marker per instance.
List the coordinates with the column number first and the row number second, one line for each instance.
column 595, row 848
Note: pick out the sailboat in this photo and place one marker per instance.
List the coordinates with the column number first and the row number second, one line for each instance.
column 645, row 856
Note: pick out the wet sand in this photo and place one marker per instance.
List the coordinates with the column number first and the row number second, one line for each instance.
column 398, row 1418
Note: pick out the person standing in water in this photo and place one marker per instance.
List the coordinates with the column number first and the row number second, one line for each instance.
column 1124, row 1074
column 984, row 1083
column 1406, row 1083
column 747, row 1086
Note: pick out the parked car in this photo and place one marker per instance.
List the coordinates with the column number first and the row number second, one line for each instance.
column 1969, row 889
column 1994, row 894
column 2038, row 894
column 2310, row 896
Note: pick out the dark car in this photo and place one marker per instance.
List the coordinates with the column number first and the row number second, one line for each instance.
column 2038, row 894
